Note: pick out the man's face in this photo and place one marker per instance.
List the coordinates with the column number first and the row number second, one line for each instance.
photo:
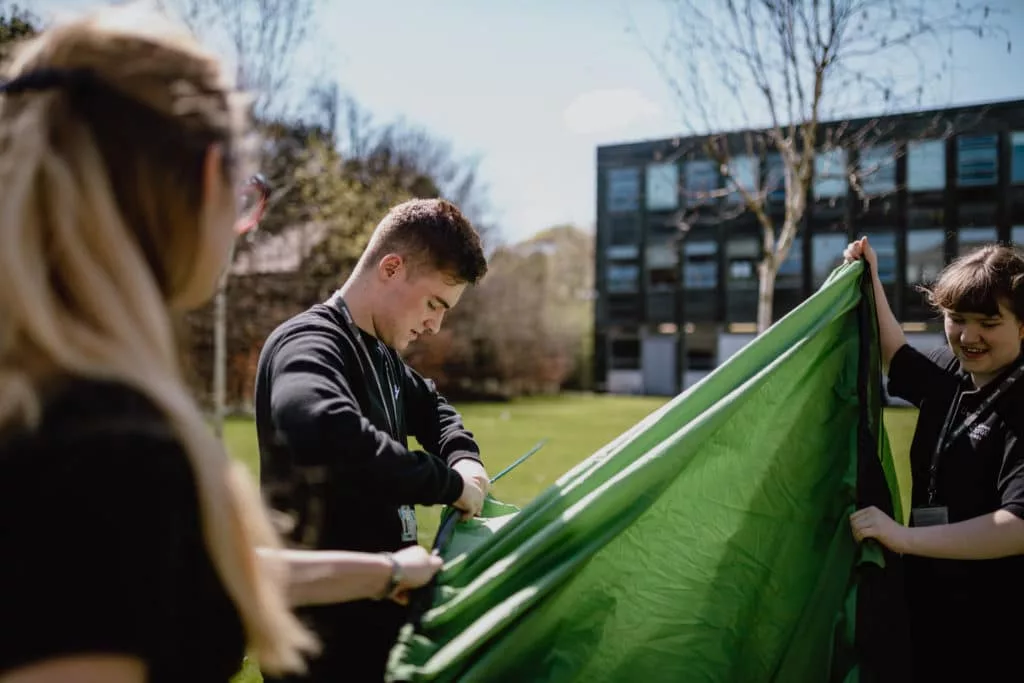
column 412, row 301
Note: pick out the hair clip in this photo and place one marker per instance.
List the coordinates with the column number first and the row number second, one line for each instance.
column 46, row 79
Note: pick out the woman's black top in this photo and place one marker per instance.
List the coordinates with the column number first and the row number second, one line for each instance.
column 102, row 545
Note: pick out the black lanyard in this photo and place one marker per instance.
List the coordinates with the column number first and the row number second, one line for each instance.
column 388, row 399
column 946, row 438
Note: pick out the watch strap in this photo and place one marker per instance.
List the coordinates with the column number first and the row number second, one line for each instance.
column 395, row 578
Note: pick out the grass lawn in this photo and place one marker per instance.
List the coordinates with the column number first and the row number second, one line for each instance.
column 576, row 426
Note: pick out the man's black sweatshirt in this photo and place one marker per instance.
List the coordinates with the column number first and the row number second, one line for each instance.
column 334, row 410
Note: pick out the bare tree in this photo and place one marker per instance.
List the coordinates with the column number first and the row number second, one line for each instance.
column 801, row 62
column 424, row 165
column 264, row 37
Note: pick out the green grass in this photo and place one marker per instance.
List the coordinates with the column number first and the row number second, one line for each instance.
column 576, row 426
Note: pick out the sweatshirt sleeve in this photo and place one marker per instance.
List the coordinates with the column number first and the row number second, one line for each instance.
column 317, row 415
column 435, row 423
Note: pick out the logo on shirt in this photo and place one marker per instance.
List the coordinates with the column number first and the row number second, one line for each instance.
column 394, row 392
column 979, row 431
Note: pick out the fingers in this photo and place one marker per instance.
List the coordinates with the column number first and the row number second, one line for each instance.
column 472, row 507
column 418, row 566
column 863, row 523
column 855, row 250
column 862, row 532
column 475, row 472
column 471, row 502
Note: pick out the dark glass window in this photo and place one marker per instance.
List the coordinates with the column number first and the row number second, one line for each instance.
column 625, row 230
column 623, row 189
column 878, row 170
column 701, row 264
column 790, row 275
column 969, row 239
column 662, row 187
column 744, row 174
column 701, row 178
column 623, row 277
column 742, row 255
column 662, row 260
column 625, row 354
column 883, row 240
column 826, row 254
column 775, row 177
column 830, row 173
column 926, row 165
column 977, row 160
column 1017, row 157
column 925, row 255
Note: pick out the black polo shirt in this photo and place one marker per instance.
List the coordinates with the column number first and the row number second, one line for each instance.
column 962, row 611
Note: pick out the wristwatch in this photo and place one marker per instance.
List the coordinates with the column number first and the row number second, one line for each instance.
column 397, row 574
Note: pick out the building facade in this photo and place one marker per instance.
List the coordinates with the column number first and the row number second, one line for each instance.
column 924, row 187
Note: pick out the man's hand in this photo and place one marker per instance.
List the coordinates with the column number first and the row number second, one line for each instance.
column 418, row 568
column 474, row 470
column 475, row 485
column 873, row 523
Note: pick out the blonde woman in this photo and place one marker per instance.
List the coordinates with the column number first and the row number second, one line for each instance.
column 128, row 538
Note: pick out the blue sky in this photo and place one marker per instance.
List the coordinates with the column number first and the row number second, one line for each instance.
column 534, row 86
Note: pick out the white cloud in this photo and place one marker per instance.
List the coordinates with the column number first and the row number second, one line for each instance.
column 603, row 111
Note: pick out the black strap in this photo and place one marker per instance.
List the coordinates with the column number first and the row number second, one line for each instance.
column 390, row 404
column 946, row 437
column 48, row 79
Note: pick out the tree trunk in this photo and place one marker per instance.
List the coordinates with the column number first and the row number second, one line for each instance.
column 765, row 296
column 219, row 355
column 220, row 347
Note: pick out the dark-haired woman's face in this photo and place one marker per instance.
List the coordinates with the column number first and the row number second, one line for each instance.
column 985, row 344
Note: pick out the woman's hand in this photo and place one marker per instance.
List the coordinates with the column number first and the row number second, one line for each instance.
column 418, row 568
column 860, row 248
column 871, row 522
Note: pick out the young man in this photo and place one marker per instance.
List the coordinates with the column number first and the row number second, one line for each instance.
column 335, row 404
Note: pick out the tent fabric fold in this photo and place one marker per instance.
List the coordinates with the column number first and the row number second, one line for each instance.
column 709, row 542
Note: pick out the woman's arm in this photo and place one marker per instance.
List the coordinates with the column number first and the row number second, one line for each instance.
column 985, row 537
column 80, row 669
column 318, row 577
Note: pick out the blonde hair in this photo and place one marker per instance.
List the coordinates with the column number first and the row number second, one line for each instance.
column 101, row 184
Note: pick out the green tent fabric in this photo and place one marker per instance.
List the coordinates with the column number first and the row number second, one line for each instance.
column 710, row 542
